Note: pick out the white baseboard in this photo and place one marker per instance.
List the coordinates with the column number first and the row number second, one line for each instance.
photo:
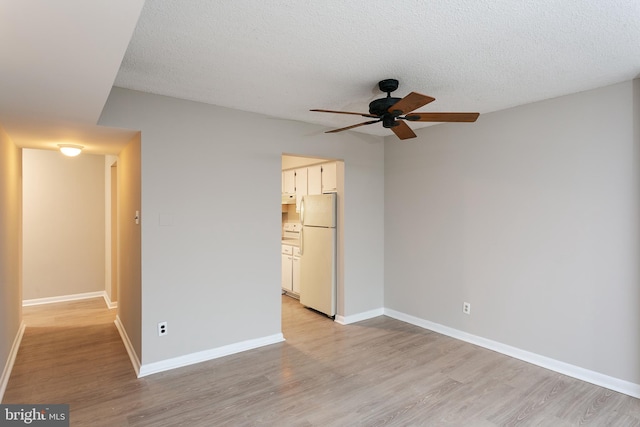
column 359, row 317
column 616, row 384
column 128, row 346
column 203, row 356
column 8, row 367
column 64, row 298
column 111, row 305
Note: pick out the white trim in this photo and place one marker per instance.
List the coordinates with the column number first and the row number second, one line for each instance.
column 107, row 300
column 615, row 384
column 128, row 346
column 8, row 367
column 359, row 317
column 63, row 298
column 202, row 356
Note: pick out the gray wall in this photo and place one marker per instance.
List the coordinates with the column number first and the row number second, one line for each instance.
column 531, row 215
column 10, row 249
column 64, row 223
column 211, row 219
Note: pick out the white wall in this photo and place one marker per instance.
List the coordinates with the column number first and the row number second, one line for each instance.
column 64, row 224
column 531, row 215
column 10, row 254
column 212, row 272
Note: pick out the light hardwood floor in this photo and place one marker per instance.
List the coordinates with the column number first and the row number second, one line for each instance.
column 377, row 372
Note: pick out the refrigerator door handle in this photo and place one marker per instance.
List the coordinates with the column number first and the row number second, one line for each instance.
column 302, row 211
column 301, row 241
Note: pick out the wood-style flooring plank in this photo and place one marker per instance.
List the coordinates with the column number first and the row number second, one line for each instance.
column 379, row 372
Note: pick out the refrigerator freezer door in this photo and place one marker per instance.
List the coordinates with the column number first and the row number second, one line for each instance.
column 317, row 269
column 319, row 210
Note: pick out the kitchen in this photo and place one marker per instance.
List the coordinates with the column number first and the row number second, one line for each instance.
column 310, row 192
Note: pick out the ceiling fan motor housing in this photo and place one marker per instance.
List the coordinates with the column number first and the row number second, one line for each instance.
column 389, row 121
column 380, row 107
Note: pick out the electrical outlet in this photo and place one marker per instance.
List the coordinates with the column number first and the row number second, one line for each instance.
column 162, row 329
column 466, row 308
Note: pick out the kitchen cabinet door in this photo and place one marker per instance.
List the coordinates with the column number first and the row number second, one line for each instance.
column 301, row 186
column 289, row 182
column 314, row 179
column 287, row 272
column 329, row 178
column 295, row 272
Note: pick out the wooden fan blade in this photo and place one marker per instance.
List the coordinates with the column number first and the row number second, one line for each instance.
column 402, row 130
column 354, row 126
column 442, row 117
column 410, row 102
column 345, row 112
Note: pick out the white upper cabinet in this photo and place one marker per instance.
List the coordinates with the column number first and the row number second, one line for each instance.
column 314, row 179
column 301, row 186
column 329, row 178
column 288, row 182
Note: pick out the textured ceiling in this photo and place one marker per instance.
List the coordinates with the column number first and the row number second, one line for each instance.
column 281, row 58
column 284, row 57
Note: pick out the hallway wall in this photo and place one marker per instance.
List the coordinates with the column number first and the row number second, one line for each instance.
column 64, row 224
column 129, row 242
column 10, row 259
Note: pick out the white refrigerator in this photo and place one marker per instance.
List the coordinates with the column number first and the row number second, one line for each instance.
column 318, row 253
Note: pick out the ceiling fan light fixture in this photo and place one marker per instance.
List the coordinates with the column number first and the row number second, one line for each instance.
column 70, row 150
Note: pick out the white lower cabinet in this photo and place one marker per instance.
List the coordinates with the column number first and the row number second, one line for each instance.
column 295, row 271
column 291, row 269
column 287, row 268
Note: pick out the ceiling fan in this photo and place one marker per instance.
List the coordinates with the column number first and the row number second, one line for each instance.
column 393, row 112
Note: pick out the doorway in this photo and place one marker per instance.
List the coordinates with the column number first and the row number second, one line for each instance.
column 304, row 175
column 113, row 298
